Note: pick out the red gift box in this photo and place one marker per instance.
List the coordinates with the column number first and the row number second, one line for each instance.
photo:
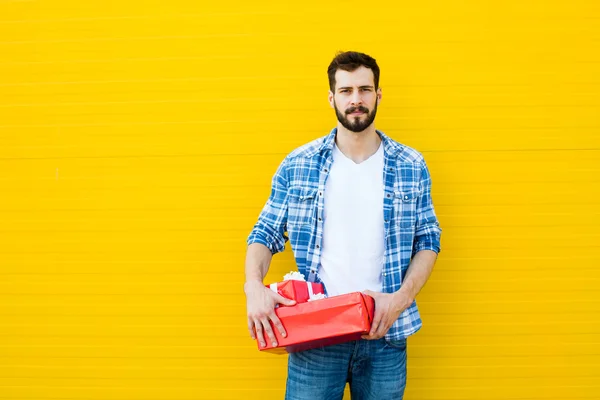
column 322, row 322
column 296, row 290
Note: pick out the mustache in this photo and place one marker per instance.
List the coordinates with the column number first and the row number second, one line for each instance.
column 359, row 108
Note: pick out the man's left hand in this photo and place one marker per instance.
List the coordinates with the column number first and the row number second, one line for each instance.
column 388, row 307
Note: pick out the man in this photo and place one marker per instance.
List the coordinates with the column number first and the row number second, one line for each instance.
column 358, row 211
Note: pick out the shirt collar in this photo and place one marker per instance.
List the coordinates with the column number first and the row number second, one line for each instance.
column 389, row 146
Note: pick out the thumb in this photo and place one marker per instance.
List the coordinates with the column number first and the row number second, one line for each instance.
column 282, row 300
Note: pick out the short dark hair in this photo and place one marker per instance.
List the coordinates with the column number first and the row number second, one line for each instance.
column 351, row 61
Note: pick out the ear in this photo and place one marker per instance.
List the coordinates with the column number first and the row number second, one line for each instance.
column 379, row 95
column 330, row 99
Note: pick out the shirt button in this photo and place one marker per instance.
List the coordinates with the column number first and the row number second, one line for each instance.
column 320, row 193
column 318, row 247
column 320, row 219
column 325, row 170
column 388, row 196
column 405, row 197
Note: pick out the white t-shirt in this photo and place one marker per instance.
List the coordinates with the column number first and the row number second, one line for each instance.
column 352, row 254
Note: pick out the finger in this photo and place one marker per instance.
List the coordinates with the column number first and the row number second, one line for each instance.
column 251, row 329
column 282, row 300
column 367, row 337
column 381, row 331
column 375, row 324
column 374, row 328
column 384, row 327
column 259, row 332
column 372, row 336
column 278, row 324
column 269, row 331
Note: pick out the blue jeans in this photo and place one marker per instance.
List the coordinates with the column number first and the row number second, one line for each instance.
column 375, row 370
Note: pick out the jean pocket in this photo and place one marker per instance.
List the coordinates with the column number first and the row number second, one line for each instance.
column 399, row 344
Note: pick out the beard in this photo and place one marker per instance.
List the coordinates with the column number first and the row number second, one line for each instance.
column 355, row 124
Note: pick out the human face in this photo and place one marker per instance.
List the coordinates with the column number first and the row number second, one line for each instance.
column 355, row 99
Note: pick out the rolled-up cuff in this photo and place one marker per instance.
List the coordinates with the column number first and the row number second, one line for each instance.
column 426, row 243
column 273, row 245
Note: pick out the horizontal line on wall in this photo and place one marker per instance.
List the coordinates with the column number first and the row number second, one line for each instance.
column 192, row 314
column 262, row 121
column 272, row 78
column 200, row 378
column 137, row 282
column 201, row 293
column 283, row 361
column 244, row 335
column 219, row 229
column 280, row 392
column 257, row 357
column 317, row 133
column 145, row 209
column 200, row 264
column 470, row 62
column 514, row 17
column 574, row 257
column 242, row 248
column 201, row 346
column 298, row 109
column 147, row 17
column 240, row 295
column 120, row 185
column 306, row 34
column 285, row 154
column 158, row 80
column 240, row 379
column 140, row 38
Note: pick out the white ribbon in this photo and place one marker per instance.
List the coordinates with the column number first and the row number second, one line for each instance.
column 311, row 294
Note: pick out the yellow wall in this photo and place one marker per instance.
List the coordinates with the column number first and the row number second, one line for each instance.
column 137, row 144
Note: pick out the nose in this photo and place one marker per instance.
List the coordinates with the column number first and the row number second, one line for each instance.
column 356, row 99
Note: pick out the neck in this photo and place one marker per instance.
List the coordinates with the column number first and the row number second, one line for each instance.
column 357, row 146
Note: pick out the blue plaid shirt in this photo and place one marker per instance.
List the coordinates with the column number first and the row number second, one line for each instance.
column 294, row 212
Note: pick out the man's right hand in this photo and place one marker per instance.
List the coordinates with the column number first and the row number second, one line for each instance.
column 260, row 304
